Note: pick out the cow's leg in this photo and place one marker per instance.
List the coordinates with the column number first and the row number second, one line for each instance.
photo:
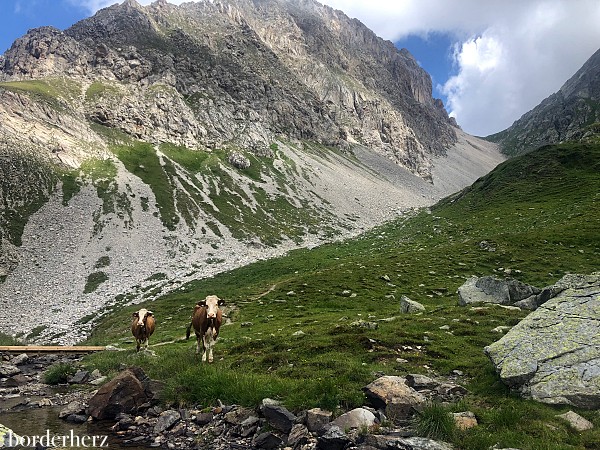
column 210, row 341
column 146, row 344
column 205, row 345
column 198, row 339
column 137, row 341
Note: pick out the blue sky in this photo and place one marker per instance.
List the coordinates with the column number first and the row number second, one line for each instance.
column 490, row 61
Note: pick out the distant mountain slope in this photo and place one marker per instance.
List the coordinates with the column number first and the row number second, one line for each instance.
column 148, row 146
column 564, row 115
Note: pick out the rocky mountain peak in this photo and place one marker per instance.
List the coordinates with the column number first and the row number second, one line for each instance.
column 565, row 115
column 269, row 67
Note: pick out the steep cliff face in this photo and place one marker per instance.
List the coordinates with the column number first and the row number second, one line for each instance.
column 242, row 72
column 565, row 115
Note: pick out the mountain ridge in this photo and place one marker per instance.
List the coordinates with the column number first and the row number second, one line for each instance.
column 565, row 115
column 385, row 104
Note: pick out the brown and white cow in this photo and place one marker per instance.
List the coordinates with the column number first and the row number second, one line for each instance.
column 206, row 320
column 142, row 327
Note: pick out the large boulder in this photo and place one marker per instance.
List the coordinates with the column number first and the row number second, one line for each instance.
column 125, row 393
column 391, row 393
column 490, row 289
column 553, row 355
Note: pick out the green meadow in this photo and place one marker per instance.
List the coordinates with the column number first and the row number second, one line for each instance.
column 315, row 326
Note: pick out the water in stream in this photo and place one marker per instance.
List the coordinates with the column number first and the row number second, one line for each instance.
column 44, row 422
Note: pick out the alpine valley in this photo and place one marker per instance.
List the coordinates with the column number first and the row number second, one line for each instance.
column 389, row 281
column 147, row 146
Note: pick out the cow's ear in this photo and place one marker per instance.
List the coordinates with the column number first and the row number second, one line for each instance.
column 201, row 303
column 221, row 302
column 197, row 307
column 149, row 313
column 135, row 314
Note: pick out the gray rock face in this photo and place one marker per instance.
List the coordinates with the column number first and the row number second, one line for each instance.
column 227, row 72
column 553, row 355
column 562, row 116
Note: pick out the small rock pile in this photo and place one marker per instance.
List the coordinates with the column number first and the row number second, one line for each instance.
column 131, row 401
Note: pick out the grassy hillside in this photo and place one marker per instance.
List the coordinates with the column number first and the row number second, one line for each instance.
column 536, row 216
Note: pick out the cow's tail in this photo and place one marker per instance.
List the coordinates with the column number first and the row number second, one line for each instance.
column 188, row 331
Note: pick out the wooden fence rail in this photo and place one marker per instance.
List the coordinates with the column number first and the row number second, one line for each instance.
column 50, row 348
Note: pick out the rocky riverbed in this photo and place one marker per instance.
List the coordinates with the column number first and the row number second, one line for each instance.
column 127, row 410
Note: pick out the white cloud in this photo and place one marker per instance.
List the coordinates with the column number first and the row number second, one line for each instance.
column 509, row 54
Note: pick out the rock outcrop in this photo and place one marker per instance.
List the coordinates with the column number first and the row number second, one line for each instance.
column 124, row 394
column 553, row 354
column 502, row 291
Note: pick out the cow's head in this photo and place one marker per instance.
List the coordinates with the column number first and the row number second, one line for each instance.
column 141, row 316
column 211, row 303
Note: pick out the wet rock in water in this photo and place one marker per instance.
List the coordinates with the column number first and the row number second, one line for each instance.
column 74, row 408
column 123, row 394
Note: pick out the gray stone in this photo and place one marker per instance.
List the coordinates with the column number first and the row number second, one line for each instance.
column 419, row 382
column 365, row 324
column 317, row 418
column 19, row 359
column 166, row 420
column 552, row 355
column 333, row 439
column 420, row 443
column 393, row 392
column 490, row 289
column 98, row 381
column 278, row 417
column 576, row 421
column 238, row 415
column 7, row 370
column 204, row 418
column 267, row 441
column 81, row 376
column 356, row 418
column 299, row 435
column 76, row 418
column 408, row 306
column 76, row 407
column 236, row 159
